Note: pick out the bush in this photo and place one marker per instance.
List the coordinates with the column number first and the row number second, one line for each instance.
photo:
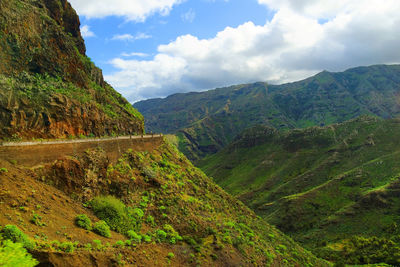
column 170, row 255
column 134, row 236
column 14, row 234
column 172, row 235
column 83, row 221
column 147, row 238
column 161, row 235
column 14, row 254
column 68, row 247
column 119, row 244
column 114, row 212
column 102, row 228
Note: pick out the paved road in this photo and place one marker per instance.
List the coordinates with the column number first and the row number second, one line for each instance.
column 71, row 141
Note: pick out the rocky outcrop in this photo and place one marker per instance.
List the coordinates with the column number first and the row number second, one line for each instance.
column 60, row 116
column 49, row 88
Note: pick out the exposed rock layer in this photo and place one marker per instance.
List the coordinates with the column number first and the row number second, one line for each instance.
column 48, row 87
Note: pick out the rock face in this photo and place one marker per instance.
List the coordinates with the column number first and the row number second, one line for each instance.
column 48, row 87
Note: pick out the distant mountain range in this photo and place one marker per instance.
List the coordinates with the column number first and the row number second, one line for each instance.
column 205, row 122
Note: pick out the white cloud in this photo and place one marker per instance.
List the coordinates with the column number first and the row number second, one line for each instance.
column 130, row 37
column 292, row 46
column 86, row 32
column 134, row 10
column 134, row 54
column 189, row 16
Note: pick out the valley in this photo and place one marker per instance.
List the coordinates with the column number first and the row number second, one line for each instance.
column 305, row 173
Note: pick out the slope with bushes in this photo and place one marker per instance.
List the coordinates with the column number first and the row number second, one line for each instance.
column 320, row 185
column 207, row 121
column 148, row 208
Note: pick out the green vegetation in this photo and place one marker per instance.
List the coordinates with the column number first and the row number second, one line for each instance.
column 360, row 250
column 83, row 221
column 14, row 254
column 206, row 122
column 320, row 185
column 116, row 214
column 102, row 228
column 132, row 235
column 36, row 219
column 14, row 234
column 171, row 204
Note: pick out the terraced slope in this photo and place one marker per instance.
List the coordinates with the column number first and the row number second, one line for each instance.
column 320, row 185
column 208, row 121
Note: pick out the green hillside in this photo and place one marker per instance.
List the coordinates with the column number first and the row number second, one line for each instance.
column 320, row 185
column 208, row 121
column 150, row 207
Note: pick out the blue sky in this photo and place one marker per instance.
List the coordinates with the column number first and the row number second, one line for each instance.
column 201, row 18
column 154, row 48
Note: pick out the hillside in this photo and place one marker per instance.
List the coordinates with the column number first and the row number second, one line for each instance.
column 207, row 121
column 94, row 206
column 49, row 88
column 163, row 212
column 322, row 185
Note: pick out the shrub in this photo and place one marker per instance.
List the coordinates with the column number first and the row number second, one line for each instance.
column 161, row 235
column 14, row 254
column 13, row 233
column 137, row 214
column 119, row 244
column 134, row 236
column 114, row 212
column 172, row 235
column 150, row 220
column 83, row 221
column 3, row 170
column 97, row 244
column 102, row 228
column 170, row 255
column 36, row 219
column 68, row 247
column 147, row 238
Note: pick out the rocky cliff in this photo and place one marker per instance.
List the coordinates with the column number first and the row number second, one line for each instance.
column 49, row 88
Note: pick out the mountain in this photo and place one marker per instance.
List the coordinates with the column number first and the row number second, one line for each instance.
column 49, row 88
column 321, row 185
column 148, row 207
column 207, row 121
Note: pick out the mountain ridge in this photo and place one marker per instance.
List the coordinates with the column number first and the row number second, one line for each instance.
column 208, row 121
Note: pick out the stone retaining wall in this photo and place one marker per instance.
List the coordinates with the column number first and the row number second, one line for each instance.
column 33, row 154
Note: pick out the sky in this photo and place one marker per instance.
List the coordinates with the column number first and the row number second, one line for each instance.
column 155, row 48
